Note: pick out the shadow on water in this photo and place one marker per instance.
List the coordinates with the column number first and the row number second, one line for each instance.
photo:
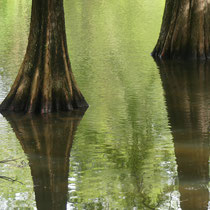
column 187, row 92
column 47, row 141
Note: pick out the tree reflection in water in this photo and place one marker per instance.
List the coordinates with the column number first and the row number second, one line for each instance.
column 47, row 141
column 187, row 92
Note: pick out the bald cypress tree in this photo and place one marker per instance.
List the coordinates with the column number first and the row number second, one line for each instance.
column 45, row 82
column 185, row 30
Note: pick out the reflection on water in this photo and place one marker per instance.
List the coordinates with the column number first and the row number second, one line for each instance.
column 187, row 91
column 47, row 141
column 123, row 153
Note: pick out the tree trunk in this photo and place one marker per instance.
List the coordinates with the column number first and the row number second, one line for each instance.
column 185, row 30
column 45, row 82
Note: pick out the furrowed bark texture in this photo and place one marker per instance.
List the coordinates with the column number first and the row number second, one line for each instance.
column 45, row 82
column 185, row 30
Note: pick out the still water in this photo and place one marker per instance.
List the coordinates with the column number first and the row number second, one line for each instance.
column 144, row 141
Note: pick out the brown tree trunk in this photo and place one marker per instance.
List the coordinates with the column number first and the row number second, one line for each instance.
column 45, row 82
column 185, row 30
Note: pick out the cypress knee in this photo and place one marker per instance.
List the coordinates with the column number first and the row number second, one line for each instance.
column 185, row 30
column 45, row 82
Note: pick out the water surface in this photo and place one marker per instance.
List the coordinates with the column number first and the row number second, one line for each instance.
column 144, row 141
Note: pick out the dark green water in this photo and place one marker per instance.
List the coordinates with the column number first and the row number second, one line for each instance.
column 144, row 141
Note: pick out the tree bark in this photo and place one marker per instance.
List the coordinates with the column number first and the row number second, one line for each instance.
column 185, row 30
column 45, row 82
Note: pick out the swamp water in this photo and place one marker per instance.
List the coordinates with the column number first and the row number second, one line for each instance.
column 144, row 141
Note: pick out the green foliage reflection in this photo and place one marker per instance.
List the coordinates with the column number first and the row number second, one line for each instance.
column 123, row 155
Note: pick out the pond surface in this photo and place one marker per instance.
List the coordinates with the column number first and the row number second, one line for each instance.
column 144, row 141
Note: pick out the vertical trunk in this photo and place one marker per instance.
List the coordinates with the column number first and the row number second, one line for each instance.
column 185, row 30
column 45, row 82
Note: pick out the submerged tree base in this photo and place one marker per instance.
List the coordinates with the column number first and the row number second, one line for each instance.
column 45, row 82
column 41, row 91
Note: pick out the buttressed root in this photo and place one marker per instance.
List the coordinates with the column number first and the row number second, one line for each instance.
column 185, row 30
